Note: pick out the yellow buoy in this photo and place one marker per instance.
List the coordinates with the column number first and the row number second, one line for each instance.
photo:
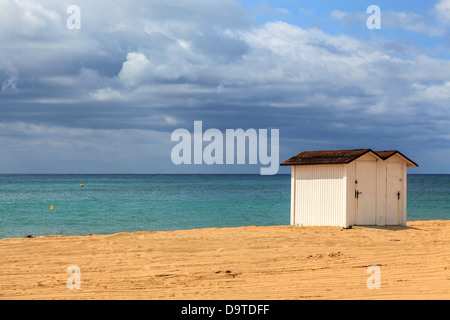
column 51, row 207
column 82, row 185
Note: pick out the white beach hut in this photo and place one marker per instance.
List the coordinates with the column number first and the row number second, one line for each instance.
column 348, row 187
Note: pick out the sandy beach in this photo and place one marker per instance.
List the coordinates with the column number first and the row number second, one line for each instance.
column 279, row 262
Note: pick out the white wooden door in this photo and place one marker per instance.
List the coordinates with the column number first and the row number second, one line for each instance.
column 365, row 193
column 394, row 194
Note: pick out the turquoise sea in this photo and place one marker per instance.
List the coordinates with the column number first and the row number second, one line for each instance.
column 126, row 203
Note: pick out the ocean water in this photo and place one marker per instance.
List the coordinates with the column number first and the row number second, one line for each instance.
column 127, row 203
column 428, row 197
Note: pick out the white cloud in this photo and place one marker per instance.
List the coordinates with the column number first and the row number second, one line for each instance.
column 170, row 29
column 171, row 121
column 283, row 66
column 409, row 21
column 107, row 94
column 442, row 10
column 26, row 18
column 412, row 22
column 135, row 69
column 435, row 93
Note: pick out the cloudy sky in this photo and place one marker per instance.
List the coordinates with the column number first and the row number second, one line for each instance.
column 106, row 98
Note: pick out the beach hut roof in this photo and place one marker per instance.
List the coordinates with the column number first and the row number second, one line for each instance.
column 339, row 157
column 389, row 153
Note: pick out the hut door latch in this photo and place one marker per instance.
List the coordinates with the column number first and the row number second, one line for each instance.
column 398, row 195
column 357, row 193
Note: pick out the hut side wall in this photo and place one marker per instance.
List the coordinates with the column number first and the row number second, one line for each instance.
column 293, row 196
column 320, row 193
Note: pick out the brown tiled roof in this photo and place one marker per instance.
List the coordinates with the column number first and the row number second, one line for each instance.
column 337, row 157
column 325, row 157
column 389, row 153
column 386, row 154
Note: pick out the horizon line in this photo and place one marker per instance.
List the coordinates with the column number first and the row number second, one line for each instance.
column 254, row 174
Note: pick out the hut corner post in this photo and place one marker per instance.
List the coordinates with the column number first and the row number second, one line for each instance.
column 293, row 195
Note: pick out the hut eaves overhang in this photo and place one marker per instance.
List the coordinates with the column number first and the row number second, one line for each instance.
column 340, row 157
column 389, row 153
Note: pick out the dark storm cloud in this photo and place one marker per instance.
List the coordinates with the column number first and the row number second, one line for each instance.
column 136, row 71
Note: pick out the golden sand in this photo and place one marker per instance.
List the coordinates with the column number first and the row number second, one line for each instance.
column 280, row 262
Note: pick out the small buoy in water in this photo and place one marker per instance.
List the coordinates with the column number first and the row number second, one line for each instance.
column 82, row 185
column 51, row 207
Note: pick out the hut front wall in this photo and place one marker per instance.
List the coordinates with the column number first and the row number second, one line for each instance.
column 396, row 190
column 319, row 195
column 388, row 174
column 351, row 187
column 353, row 217
column 381, row 193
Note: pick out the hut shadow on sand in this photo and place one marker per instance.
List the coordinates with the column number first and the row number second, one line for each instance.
column 385, row 228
